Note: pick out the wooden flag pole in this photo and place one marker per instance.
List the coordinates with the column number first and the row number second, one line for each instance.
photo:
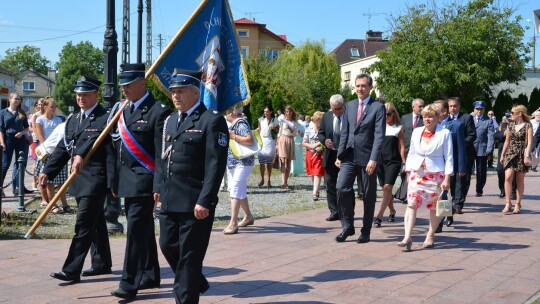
column 72, row 176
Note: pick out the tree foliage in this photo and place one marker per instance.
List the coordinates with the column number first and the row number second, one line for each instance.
column 457, row 50
column 503, row 103
column 304, row 77
column 25, row 58
column 522, row 100
column 534, row 100
column 307, row 76
column 76, row 60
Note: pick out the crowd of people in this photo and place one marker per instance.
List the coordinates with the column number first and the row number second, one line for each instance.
column 180, row 159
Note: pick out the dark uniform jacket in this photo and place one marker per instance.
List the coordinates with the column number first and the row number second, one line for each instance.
column 195, row 158
column 97, row 174
column 146, row 126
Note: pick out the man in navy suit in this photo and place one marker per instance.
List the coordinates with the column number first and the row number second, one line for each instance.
column 359, row 154
column 459, row 151
column 463, row 182
column 483, row 144
column 329, row 133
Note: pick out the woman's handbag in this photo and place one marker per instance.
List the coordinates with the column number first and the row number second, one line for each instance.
column 41, row 153
column 401, row 192
column 241, row 151
column 444, row 207
column 534, row 157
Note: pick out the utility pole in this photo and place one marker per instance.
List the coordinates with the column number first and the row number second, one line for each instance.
column 159, row 42
column 139, row 31
column 125, row 33
column 148, row 32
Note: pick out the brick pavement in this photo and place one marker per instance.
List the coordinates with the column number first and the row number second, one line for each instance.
column 485, row 257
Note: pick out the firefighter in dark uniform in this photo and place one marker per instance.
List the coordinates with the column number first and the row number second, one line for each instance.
column 138, row 146
column 195, row 143
column 89, row 186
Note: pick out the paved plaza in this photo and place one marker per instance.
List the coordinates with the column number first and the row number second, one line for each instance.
column 485, row 257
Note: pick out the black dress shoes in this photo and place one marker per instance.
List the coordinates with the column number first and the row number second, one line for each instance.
column 204, row 285
column 95, row 271
column 363, row 239
column 122, row 294
column 449, row 221
column 459, row 210
column 332, row 217
column 62, row 276
column 148, row 285
column 343, row 236
column 502, row 195
column 478, row 194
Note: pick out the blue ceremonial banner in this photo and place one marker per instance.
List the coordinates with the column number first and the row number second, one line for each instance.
column 207, row 43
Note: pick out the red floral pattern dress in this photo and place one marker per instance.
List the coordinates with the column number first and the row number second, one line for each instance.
column 424, row 186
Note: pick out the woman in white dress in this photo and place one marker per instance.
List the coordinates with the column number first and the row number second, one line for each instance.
column 268, row 129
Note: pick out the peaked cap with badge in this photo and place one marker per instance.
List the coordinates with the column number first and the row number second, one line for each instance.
column 184, row 78
column 129, row 72
column 86, row 84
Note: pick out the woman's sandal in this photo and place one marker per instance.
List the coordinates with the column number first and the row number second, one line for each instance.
column 517, row 208
column 507, row 208
column 56, row 210
column 43, row 205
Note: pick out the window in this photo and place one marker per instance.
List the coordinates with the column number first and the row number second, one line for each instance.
column 245, row 51
column 269, row 54
column 347, row 76
column 29, row 86
column 243, row 33
column 354, row 52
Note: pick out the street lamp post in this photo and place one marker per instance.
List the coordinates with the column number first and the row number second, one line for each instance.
column 110, row 96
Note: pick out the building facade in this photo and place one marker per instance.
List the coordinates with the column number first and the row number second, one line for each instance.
column 34, row 85
column 254, row 39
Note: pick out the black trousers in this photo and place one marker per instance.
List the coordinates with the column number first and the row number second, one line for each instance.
column 463, row 183
column 481, row 173
column 348, row 172
column 90, row 234
column 183, row 241
column 331, row 176
column 141, row 261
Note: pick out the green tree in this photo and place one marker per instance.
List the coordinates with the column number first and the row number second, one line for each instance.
column 305, row 77
column 462, row 49
column 534, row 100
column 522, row 100
column 503, row 104
column 258, row 71
column 25, row 58
column 76, row 60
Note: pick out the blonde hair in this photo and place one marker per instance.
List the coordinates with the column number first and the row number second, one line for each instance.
column 523, row 110
column 46, row 101
column 317, row 116
column 431, row 109
column 395, row 115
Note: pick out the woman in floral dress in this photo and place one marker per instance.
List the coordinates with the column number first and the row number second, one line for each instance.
column 314, row 167
column 514, row 157
column 429, row 166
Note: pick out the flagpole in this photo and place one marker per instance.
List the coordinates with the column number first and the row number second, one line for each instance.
column 72, row 176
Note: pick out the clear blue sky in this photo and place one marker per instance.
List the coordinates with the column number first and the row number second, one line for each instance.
column 49, row 25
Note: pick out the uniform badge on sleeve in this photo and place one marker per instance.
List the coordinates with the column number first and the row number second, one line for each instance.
column 222, row 139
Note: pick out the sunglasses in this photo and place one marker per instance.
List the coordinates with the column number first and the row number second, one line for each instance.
column 388, row 114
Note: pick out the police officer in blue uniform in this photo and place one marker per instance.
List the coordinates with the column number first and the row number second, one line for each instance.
column 89, row 186
column 195, row 143
column 138, row 146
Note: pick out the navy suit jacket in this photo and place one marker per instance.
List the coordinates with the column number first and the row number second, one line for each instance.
column 458, row 143
column 536, row 137
column 365, row 138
